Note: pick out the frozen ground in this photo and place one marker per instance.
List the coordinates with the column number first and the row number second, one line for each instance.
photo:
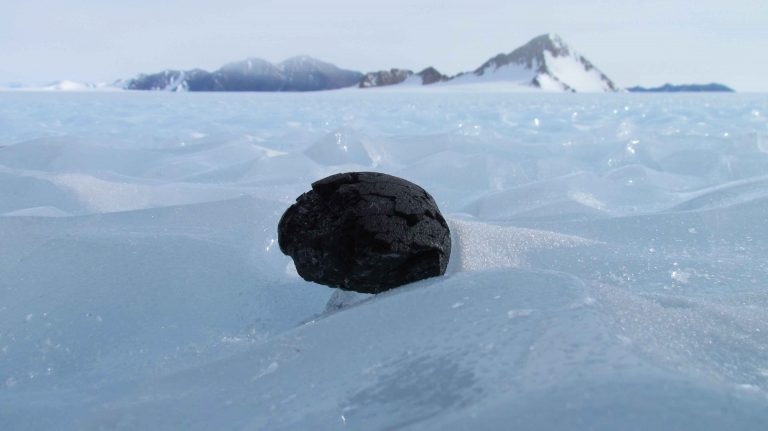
column 609, row 268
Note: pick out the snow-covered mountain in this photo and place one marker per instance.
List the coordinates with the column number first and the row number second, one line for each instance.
column 300, row 73
column 252, row 74
column 545, row 62
column 304, row 73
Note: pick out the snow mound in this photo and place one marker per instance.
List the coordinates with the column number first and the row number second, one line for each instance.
column 68, row 86
column 344, row 147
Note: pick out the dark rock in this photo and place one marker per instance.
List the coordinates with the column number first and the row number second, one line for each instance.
column 174, row 80
column 304, row 73
column 365, row 231
column 682, row 88
column 383, row 78
column 430, row 75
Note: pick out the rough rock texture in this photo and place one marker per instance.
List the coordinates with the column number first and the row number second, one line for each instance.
column 365, row 231
column 383, row 78
column 430, row 75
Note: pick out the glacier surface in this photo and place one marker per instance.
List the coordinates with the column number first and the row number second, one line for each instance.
column 609, row 269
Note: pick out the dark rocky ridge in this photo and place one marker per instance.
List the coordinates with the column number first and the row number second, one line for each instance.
column 430, row 75
column 383, row 78
column 253, row 74
column 177, row 80
column 365, row 231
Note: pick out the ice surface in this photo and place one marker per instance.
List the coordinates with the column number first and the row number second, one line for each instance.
column 609, row 268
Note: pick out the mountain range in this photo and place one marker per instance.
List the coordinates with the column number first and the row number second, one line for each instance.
column 301, row 73
column 545, row 62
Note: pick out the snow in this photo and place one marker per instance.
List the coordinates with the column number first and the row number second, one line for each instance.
column 571, row 71
column 548, row 83
column 411, row 81
column 518, row 78
column 511, row 74
column 563, row 70
column 590, row 287
column 68, row 86
column 64, row 85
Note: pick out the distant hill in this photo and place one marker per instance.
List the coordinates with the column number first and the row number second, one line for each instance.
column 670, row 88
column 294, row 74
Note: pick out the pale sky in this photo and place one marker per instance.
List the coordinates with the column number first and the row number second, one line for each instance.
column 633, row 42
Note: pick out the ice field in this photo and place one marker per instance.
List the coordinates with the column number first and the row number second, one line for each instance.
column 609, row 267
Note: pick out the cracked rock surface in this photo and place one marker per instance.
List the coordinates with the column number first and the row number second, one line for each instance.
column 365, row 231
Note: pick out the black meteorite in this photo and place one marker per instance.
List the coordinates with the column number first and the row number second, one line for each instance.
column 365, row 231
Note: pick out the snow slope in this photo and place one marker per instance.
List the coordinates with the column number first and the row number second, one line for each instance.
column 545, row 62
column 608, row 272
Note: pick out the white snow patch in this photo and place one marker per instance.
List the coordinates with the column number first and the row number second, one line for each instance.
column 569, row 70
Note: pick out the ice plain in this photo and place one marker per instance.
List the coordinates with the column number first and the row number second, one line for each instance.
column 609, row 270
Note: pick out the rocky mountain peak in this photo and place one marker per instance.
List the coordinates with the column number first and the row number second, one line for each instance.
column 531, row 55
column 546, row 62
